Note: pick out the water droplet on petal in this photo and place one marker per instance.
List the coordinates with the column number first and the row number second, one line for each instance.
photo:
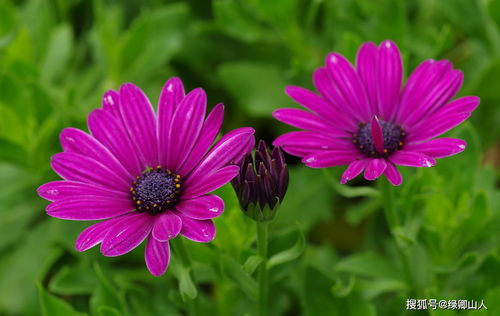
column 214, row 209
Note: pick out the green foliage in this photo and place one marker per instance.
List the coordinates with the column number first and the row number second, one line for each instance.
column 58, row 57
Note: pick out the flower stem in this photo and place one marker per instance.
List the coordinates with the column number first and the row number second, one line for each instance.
column 262, row 273
column 394, row 223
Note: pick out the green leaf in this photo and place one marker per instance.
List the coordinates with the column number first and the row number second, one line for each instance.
column 74, row 280
column 105, row 295
column 368, row 264
column 58, row 53
column 54, row 306
column 290, row 254
column 187, row 287
column 236, row 272
column 258, row 88
column 251, row 264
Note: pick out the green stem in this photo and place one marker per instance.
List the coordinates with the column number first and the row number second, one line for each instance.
column 262, row 273
column 180, row 250
column 394, row 223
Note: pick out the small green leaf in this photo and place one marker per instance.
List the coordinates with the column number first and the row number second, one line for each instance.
column 53, row 306
column 58, row 53
column 251, row 264
column 236, row 272
column 340, row 289
column 105, row 294
column 187, row 287
column 74, row 280
column 290, row 254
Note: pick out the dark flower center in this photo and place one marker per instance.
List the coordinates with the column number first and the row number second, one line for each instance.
column 393, row 136
column 156, row 190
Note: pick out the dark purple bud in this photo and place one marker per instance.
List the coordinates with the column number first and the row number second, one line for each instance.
column 262, row 182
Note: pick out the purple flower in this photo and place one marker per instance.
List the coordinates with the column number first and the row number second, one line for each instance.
column 146, row 176
column 365, row 118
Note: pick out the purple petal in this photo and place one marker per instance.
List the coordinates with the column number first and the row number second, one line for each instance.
column 439, row 148
column 305, row 143
column 170, row 97
column 77, row 141
column 167, row 226
column 230, row 148
column 157, row 256
column 330, row 158
column 198, row 230
column 58, row 190
column 377, row 134
column 325, row 85
column 354, row 169
column 393, row 175
column 89, row 208
column 389, row 77
column 111, row 103
column 140, row 121
column 94, row 234
column 436, row 127
column 412, row 159
column 209, row 131
column 210, row 182
column 308, row 121
column 442, row 92
column 185, row 127
column 375, row 168
column 111, row 133
column 419, row 85
column 127, row 234
column 203, row 207
column 71, row 166
column 366, row 63
column 318, row 105
column 461, row 105
column 350, row 90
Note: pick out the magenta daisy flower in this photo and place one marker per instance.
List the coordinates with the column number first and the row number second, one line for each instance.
column 146, row 176
column 365, row 118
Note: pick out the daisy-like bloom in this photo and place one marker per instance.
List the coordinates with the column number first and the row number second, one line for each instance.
column 364, row 117
column 146, row 176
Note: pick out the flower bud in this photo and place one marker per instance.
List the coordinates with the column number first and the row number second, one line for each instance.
column 261, row 183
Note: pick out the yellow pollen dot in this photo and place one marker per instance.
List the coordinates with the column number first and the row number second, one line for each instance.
column 155, row 205
column 401, row 143
column 361, row 147
column 158, row 167
column 385, row 151
column 178, row 176
column 354, row 141
column 172, row 195
column 131, row 189
column 140, row 208
column 168, row 202
column 138, row 202
column 177, row 185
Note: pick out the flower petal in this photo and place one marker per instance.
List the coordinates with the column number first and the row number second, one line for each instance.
column 377, row 134
column 209, row 131
column 167, row 226
column 140, row 121
column 209, row 182
column 110, row 131
column 57, row 190
column 157, row 256
column 127, row 234
column 308, row 121
column 203, row 207
column 461, row 105
column 94, row 234
column 375, row 168
column 170, row 97
column 89, row 208
column 111, row 103
column 318, row 105
column 389, row 76
column 198, row 230
column 77, row 141
column 185, row 127
column 330, row 158
column 230, row 148
column 301, row 143
column 439, row 148
column 392, row 174
column 72, row 166
column 412, row 159
column 366, row 63
column 436, row 127
column 354, row 169
column 348, row 85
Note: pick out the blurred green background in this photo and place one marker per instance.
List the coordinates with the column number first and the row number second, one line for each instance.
column 58, row 57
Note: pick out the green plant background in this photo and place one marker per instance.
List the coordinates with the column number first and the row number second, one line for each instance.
column 58, row 57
